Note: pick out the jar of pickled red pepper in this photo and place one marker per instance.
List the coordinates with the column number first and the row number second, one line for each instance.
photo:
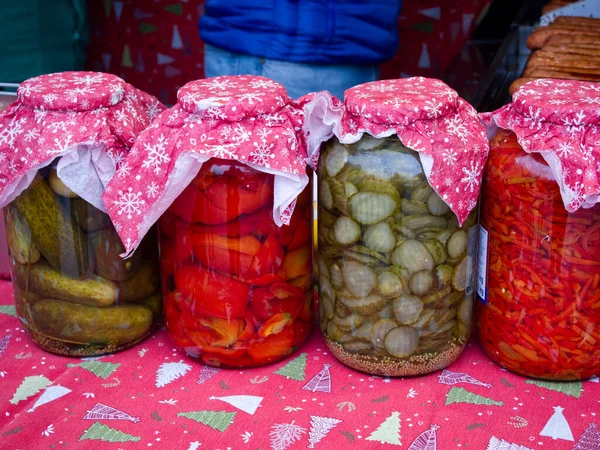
column 60, row 143
column 229, row 178
column 539, row 252
column 398, row 188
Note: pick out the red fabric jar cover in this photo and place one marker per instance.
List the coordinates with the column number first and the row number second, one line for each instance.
column 88, row 119
column 426, row 115
column 560, row 120
column 249, row 119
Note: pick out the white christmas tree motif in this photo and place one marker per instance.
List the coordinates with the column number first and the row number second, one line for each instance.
column 262, row 153
column 169, row 372
column 247, row 403
column 4, row 343
column 129, row 202
column 473, row 176
column 156, row 154
column 319, row 428
column 9, row 134
column 103, row 412
column 207, row 372
column 285, row 434
column 88, row 80
column 452, row 378
column 427, row 440
column 50, row 394
column 194, row 445
column 321, row 382
column 501, row 444
column 594, row 379
column 388, row 432
column 433, row 109
column 590, row 439
column 557, row 427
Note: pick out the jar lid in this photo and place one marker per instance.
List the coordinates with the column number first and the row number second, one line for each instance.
column 85, row 120
column 72, row 91
column 560, row 119
column 249, row 119
column 427, row 116
column 232, row 98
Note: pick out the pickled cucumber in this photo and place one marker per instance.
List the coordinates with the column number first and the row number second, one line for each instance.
column 59, row 187
column 54, row 232
column 18, row 237
column 89, row 325
column 88, row 217
column 144, row 283
column 107, row 247
column 50, row 283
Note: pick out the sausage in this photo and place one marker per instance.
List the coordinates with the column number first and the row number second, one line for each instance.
column 542, row 35
column 562, row 73
column 515, row 85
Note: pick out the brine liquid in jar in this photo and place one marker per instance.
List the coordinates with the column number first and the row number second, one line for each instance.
column 237, row 287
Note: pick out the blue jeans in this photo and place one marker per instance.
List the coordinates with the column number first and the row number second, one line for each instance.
column 298, row 79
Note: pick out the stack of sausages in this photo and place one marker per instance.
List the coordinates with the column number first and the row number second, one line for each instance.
column 567, row 49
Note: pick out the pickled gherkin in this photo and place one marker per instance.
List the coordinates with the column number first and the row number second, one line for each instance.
column 396, row 287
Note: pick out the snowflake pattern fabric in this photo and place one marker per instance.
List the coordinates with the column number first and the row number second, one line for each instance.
column 427, row 116
column 59, row 114
column 244, row 118
column 560, row 119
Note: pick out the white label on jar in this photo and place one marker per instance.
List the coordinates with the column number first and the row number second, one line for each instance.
column 482, row 262
column 471, row 257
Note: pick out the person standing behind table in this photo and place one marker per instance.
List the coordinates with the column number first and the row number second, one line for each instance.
column 306, row 45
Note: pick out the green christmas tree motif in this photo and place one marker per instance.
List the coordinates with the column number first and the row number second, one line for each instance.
column 295, row 369
column 107, row 4
column 571, row 388
column 217, row 420
column 99, row 432
column 30, row 386
column 8, row 309
column 175, row 8
column 146, row 28
column 98, row 368
column 388, row 432
column 461, row 395
column 126, row 61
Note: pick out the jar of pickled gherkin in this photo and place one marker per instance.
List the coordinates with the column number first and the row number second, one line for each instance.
column 539, row 253
column 398, row 188
column 226, row 170
column 60, row 144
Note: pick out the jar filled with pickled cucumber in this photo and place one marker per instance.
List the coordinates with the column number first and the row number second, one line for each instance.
column 539, row 252
column 234, row 207
column 398, row 188
column 62, row 141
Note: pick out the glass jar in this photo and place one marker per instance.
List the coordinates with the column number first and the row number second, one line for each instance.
column 539, row 276
column 395, row 267
column 74, row 294
column 237, row 287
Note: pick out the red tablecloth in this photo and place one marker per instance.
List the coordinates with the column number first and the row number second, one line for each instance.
column 153, row 396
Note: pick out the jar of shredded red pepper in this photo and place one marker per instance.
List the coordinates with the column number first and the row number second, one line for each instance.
column 227, row 170
column 398, row 189
column 539, row 252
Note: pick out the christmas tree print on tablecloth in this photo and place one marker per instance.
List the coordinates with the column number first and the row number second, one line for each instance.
column 4, row 344
column 206, row 373
column 501, row 444
column 98, row 368
column 319, row 428
column 321, row 382
column 572, row 388
column 460, row 395
column 451, row 378
column 247, row 403
column 427, row 440
column 217, row 420
column 388, row 432
column 590, row 439
column 50, row 394
column 30, row 386
column 294, row 369
column 558, row 427
column 99, row 432
column 594, row 379
column 170, row 371
column 8, row 309
column 283, row 435
column 104, row 412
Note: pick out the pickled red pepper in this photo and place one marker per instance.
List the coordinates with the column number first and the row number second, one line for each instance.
column 237, row 287
column 542, row 317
